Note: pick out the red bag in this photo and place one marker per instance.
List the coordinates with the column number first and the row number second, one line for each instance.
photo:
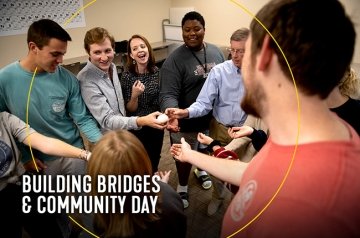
column 227, row 154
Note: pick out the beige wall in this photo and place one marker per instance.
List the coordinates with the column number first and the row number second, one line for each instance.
column 126, row 17
column 222, row 17
column 121, row 17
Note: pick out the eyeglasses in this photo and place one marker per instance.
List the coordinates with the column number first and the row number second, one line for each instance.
column 235, row 51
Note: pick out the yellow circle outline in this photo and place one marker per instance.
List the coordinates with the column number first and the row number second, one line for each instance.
column 298, row 110
column 298, row 129
column 27, row 113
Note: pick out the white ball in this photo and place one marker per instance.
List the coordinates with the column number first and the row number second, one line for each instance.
column 162, row 118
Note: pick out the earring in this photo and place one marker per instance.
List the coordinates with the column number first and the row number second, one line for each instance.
column 134, row 62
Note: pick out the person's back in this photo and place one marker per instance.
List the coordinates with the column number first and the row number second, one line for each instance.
column 172, row 220
column 307, row 171
column 320, row 193
column 120, row 153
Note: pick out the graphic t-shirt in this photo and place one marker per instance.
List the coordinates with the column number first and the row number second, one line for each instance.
column 11, row 129
column 319, row 198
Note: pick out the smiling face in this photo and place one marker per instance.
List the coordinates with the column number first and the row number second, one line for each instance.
column 102, row 54
column 50, row 56
column 193, row 33
column 139, row 51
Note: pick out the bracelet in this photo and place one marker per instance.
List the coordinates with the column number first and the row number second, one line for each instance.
column 84, row 155
column 212, row 144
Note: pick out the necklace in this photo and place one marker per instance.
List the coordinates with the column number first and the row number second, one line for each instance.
column 201, row 64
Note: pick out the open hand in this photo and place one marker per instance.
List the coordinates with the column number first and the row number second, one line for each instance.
column 173, row 125
column 164, row 175
column 178, row 151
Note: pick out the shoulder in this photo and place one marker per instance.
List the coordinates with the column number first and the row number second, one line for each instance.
column 213, row 47
column 12, row 122
column 228, row 64
column 8, row 71
column 9, row 67
column 172, row 211
column 64, row 73
column 85, row 74
column 223, row 69
column 214, row 51
column 178, row 52
column 170, row 198
column 7, row 117
column 4, row 117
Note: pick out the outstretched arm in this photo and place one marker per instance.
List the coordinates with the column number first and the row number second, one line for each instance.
column 258, row 137
column 230, row 171
column 51, row 146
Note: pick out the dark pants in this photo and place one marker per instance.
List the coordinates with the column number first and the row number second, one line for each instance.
column 14, row 220
column 183, row 169
column 152, row 139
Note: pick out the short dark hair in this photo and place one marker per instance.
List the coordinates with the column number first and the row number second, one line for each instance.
column 318, row 44
column 193, row 16
column 40, row 32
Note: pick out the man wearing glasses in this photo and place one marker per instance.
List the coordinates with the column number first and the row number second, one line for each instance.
column 222, row 92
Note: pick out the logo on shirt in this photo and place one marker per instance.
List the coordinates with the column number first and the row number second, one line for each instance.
column 200, row 69
column 58, row 106
column 5, row 157
column 243, row 200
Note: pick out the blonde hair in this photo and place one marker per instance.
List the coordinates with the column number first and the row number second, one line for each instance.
column 350, row 84
column 119, row 153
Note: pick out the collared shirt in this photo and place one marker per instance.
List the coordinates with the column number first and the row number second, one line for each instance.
column 222, row 92
column 104, row 98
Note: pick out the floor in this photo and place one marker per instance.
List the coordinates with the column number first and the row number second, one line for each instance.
column 200, row 225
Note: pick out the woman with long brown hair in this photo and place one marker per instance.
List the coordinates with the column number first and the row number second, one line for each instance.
column 121, row 153
column 140, row 83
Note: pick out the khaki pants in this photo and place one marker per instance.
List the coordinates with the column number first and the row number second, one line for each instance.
column 218, row 131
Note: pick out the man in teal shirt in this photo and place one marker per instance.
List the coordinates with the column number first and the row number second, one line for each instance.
column 56, row 108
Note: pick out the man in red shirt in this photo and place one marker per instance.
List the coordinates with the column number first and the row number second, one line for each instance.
column 305, row 181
